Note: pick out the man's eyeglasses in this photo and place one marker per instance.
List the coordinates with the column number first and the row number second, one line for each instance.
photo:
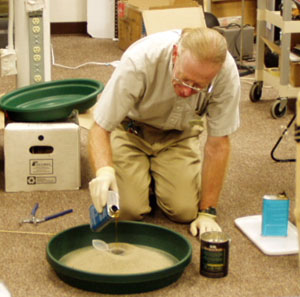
column 205, row 91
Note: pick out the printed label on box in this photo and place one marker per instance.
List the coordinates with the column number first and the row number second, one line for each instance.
column 41, row 166
column 39, row 180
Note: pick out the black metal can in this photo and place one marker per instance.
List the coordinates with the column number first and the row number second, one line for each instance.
column 214, row 254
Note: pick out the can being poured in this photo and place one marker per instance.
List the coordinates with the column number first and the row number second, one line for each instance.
column 214, row 254
column 112, row 210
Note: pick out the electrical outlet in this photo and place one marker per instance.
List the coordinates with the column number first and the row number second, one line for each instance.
column 8, row 62
column 36, row 49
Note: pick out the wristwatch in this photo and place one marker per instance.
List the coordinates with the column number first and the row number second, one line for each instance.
column 210, row 210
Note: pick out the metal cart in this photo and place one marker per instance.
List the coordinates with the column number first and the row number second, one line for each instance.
column 279, row 78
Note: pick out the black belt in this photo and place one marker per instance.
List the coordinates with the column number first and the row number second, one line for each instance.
column 138, row 128
column 132, row 126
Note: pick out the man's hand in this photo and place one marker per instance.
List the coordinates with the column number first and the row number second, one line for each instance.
column 105, row 180
column 204, row 223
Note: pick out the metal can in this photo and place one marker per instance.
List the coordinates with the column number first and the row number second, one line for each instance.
column 214, row 254
column 99, row 220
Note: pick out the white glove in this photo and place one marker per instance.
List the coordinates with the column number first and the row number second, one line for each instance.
column 105, row 180
column 205, row 222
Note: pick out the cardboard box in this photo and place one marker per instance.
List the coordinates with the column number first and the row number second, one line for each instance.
column 295, row 74
column 42, row 156
column 138, row 18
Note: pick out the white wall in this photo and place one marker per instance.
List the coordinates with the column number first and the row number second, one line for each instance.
column 63, row 11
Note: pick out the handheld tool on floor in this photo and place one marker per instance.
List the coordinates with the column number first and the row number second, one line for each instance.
column 34, row 220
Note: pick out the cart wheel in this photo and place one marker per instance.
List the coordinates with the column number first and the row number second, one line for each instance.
column 256, row 91
column 279, row 109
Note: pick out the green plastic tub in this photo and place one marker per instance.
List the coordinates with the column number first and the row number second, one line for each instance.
column 51, row 101
column 130, row 232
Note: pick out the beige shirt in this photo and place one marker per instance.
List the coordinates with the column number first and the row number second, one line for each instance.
column 141, row 88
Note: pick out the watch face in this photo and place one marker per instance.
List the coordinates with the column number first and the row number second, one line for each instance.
column 210, row 210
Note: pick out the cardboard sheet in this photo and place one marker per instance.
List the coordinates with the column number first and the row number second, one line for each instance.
column 155, row 4
column 159, row 20
column 146, row 4
column 269, row 245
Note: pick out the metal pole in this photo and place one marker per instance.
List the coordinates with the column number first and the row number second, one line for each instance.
column 242, row 29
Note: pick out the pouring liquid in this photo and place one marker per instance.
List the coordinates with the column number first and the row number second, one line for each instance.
column 117, row 249
column 116, row 230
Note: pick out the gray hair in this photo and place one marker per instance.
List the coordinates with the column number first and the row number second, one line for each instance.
column 204, row 44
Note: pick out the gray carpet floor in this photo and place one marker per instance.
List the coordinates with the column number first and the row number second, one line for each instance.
column 252, row 174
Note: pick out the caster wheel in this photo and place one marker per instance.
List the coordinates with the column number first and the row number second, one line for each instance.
column 256, row 91
column 279, row 109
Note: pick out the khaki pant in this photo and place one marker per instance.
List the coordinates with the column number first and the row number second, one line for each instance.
column 172, row 158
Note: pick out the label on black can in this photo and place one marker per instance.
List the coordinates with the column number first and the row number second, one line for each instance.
column 214, row 254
